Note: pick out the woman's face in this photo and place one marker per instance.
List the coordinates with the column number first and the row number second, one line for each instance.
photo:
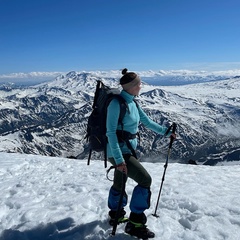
column 135, row 89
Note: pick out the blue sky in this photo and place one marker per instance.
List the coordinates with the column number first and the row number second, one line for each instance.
column 64, row 35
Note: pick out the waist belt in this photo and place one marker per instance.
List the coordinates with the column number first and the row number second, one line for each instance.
column 124, row 136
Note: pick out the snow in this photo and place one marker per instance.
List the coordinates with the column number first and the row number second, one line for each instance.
column 56, row 198
column 12, row 142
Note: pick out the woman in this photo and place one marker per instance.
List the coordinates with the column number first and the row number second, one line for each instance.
column 121, row 156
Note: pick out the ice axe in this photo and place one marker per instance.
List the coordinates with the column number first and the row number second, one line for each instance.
column 173, row 127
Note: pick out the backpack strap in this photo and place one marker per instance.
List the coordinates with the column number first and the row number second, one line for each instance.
column 123, row 108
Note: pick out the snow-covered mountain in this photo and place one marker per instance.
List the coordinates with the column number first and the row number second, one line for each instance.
column 50, row 118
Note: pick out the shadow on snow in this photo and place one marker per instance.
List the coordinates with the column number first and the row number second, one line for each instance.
column 64, row 230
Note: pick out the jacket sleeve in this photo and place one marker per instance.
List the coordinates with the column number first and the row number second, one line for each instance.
column 149, row 123
column 113, row 112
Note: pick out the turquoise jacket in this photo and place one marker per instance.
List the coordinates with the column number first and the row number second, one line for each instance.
column 130, row 124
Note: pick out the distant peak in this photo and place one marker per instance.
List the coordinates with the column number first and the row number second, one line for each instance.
column 71, row 74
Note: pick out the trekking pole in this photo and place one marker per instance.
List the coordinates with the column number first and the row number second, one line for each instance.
column 173, row 126
column 124, row 177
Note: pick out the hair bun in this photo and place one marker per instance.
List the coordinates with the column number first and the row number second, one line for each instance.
column 124, row 71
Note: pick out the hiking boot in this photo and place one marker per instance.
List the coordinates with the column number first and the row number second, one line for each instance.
column 138, row 230
column 121, row 218
column 136, row 226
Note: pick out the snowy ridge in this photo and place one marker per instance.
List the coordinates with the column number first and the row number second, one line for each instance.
column 45, row 198
column 50, row 118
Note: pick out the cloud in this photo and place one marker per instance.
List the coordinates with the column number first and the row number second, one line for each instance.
column 37, row 77
column 211, row 66
column 30, row 75
column 29, row 78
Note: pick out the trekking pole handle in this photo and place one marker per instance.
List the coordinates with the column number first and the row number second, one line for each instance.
column 168, row 130
column 174, row 126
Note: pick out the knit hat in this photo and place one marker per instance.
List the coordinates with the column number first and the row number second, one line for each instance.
column 129, row 79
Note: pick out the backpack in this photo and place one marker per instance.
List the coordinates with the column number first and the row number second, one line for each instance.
column 96, row 126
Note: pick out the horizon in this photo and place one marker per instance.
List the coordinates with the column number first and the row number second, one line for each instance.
column 152, row 77
column 149, row 76
column 43, row 36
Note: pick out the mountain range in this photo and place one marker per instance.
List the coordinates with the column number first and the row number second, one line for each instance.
column 50, row 118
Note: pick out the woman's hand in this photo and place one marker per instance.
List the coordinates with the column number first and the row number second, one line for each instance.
column 122, row 167
column 173, row 136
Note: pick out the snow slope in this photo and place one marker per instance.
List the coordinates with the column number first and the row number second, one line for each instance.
column 56, row 198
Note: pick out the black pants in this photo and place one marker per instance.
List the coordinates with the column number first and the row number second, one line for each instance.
column 135, row 171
